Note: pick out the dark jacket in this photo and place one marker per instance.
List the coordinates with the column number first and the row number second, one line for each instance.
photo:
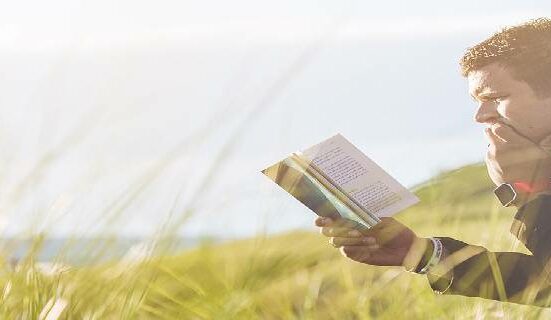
column 505, row 276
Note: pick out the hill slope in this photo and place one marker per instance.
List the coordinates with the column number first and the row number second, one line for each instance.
column 294, row 275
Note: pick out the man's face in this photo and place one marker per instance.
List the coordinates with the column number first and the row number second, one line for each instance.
column 503, row 99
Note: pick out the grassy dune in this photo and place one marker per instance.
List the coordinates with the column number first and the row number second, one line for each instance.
column 289, row 276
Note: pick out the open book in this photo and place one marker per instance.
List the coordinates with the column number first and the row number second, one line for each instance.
column 334, row 178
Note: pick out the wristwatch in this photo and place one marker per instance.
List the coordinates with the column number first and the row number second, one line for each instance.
column 510, row 193
column 506, row 194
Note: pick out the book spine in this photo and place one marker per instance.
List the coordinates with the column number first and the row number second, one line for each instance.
column 311, row 169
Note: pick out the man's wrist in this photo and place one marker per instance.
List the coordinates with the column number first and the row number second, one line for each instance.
column 423, row 254
column 428, row 256
column 417, row 254
column 432, row 256
column 425, row 258
column 441, row 276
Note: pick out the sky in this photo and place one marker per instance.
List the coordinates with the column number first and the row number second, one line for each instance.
column 118, row 115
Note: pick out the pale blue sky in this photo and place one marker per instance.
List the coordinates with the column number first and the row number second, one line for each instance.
column 96, row 93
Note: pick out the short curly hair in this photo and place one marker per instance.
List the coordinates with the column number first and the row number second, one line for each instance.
column 524, row 49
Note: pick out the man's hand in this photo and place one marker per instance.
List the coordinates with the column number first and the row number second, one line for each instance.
column 386, row 244
column 513, row 158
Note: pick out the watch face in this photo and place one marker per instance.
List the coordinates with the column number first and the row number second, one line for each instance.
column 506, row 194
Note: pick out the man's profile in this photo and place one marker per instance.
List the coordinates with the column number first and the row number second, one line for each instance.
column 509, row 77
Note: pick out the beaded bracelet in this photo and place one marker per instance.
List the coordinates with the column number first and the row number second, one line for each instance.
column 436, row 255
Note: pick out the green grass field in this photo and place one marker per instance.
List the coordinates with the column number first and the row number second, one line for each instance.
column 296, row 275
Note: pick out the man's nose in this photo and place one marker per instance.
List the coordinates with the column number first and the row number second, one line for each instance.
column 487, row 112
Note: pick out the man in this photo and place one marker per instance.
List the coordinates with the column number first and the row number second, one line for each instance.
column 509, row 76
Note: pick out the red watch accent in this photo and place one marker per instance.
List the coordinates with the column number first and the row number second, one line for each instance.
column 527, row 187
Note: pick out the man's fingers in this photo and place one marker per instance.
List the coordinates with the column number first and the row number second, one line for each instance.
column 344, row 223
column 322, row 221
column 492, row 137
column 340, row 232
column 334, row 222
column 386, row 230
column 363, row 241
column 508, row 134
column 502, row 132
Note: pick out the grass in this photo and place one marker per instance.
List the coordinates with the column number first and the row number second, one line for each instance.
column 296, row 275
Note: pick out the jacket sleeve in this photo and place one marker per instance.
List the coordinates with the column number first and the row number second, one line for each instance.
column 505, row 276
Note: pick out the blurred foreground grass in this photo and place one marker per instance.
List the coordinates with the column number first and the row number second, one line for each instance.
column 289, row 276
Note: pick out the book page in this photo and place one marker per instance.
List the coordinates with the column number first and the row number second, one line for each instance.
column 367, row 184
column 324, row 201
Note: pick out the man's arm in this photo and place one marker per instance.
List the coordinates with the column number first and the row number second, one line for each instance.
column 504, row 276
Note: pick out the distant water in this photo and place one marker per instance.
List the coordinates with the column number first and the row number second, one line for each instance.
column 90, row 251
